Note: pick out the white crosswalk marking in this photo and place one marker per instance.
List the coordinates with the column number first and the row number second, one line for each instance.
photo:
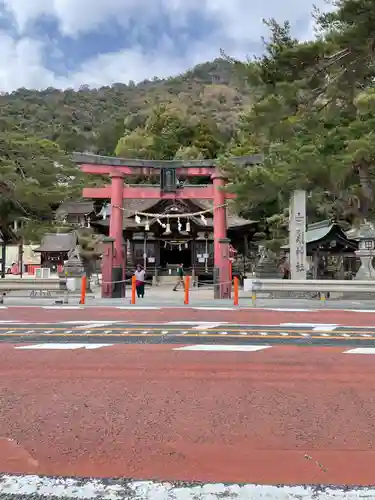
column 223, row 348
column 324, row 328
column 93, row 324
column 361, row 350
column 62, row 347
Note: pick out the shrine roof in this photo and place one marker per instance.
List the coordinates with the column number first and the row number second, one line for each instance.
column 83, row 207
column 57, row 242
column 150, row 206
column 324, row 230
column 88, row 158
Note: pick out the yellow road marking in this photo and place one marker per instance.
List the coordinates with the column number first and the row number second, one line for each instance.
column 98, row 335
column 265, row 330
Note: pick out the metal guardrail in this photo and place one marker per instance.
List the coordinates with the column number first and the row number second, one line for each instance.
column 322, row 286
column 31, row 284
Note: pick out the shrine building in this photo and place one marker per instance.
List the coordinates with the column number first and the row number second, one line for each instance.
column 166, row 222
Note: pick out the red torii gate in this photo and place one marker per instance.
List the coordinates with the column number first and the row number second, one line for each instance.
column 113, row 265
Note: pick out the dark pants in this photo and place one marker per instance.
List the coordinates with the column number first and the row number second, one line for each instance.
column 140, row 290
column 179, row 282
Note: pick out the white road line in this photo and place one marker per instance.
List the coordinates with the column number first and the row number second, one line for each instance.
column 325, row 328
column 143, row 308
column 344, row 335
column 68, row 331
column 30, row 331
column 214, row 308
column 284, row 334
column 206, row 326
column 314, row 326
column 62, row 307
column 185, row 332
column 74, row 322
column 263, row 333
column 223, row 333
column 198, row 325
column 289, row 310
column 243, row 333
column 10, row 331
column 87, row 331
column 96, row 324
column 361, row 350
column 164, row 332
column 38, row 487
column 62, row 347
column 48, row 331
column 223, row 348
column 10, row 321
column 145, row 332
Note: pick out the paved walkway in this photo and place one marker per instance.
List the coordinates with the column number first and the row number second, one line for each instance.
column 199, row 297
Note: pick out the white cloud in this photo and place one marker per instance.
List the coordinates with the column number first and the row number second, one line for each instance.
column 238, row 24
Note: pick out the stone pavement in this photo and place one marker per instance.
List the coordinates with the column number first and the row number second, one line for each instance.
column 199, row 297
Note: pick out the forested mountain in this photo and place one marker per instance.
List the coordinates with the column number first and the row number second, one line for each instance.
column 307, row 107
column 95, row 119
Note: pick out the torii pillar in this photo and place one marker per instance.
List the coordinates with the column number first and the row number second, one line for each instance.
column 221, row 242
column 113, row 263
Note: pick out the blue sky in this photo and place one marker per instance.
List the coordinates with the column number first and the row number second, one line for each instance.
column 68, row 43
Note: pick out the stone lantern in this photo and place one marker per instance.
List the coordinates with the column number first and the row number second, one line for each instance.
column 366, row 251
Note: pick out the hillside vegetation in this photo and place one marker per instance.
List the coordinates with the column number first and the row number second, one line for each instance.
column 95, row 119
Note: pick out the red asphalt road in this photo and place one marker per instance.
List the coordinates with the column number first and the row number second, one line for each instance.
column 282, row 415
column 240, row 316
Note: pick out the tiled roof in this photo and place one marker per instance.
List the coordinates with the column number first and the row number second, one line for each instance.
column 58, row 242
column 135, row 206
column 320, row 230
column 83, row 207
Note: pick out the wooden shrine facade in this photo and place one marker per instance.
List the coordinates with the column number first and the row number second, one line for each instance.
column 187, row 240
column 172, row 186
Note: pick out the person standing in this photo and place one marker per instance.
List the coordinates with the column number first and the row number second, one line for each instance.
column 180, row 278
column 140, row 281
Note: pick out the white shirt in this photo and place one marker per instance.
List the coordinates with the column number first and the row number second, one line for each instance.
column 139, row 275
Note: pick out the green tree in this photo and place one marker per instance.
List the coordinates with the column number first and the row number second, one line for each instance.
column 313, row 121
column 36, row 176
column 90, row 251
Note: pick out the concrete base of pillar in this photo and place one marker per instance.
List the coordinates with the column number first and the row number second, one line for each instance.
column 222, row 290
column 118, row 286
